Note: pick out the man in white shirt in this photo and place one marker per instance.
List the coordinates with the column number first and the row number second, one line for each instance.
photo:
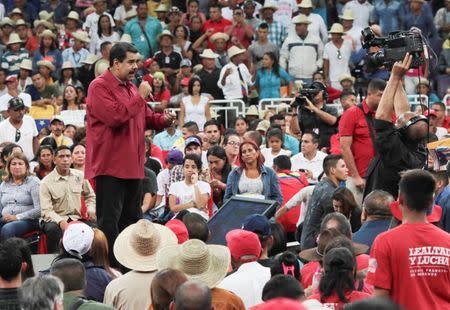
column 362, row 10
column 352, row 31
column 91, row 24
column 250, row 277
column 317, row 26
column 235, row 79
column 19, row 128
column 286, row 8
column 77, row 53
column 310, row 158
column 13, row 91
column 120, row 14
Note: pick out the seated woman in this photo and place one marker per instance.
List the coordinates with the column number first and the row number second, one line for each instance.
column 44, row 159
column 219, row 169
column 241, row 126
column 191, row 194
column 160, row 92
column 231, row 143
column 252, row 178
column 344, row 202
column 195, row 107
column 19, row 198
column 274, row 146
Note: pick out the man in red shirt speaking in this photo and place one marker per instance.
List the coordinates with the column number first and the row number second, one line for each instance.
column 117, row 116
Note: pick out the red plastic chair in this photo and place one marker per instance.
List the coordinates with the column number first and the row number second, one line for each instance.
column 41, row 239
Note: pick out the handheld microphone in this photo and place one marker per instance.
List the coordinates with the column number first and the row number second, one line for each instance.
column 138, row 78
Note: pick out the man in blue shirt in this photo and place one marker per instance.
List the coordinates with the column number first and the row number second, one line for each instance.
column 442, row 196
column 166, row 139
column 144, row 30
column 375, row 217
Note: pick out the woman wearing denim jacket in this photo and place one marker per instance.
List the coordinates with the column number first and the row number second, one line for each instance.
column 253, row 179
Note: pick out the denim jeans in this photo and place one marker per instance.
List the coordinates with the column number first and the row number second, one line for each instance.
column 17, row 228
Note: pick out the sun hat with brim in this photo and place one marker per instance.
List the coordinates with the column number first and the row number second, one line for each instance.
column 16, row 11
column 131, row 14
column 252, row 111
column 208, row 53
column 7, row 21
column 301, row 19
column 166, row 33
column 13, row 39
column 26, row 64
column 90, row 59
column 44, row 15
column 234, row 50
column 198, row 261
column 126, row 38
column 81, row 36
column 47, row 33
column 433, row 217
column 347, row 15
column 336, row 28
column 218, row 36
column 162, row 8
column 137, row 245
column 21, row 22
column 263, row 125
column 347, row 77
column 73, row 15
column 423, row 82
column 317, row 253
column 44, row 23
column 67, row 65
column 47, row 64
column 305, row 4
column 269, row 5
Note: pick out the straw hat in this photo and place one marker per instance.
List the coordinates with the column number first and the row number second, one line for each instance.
column 81, row 36
column 234, row 50
column 348, row 15
column 347, row 77
column 102, row 67
column 219, row 35
column 14, row 38
column 73, row 15
column 7, row 21
column 214, row 114
column 337, row 28
column 47, row 33
column 42, row 22
column 165, row 33
column 197, row 260
column 263, row 125
column 137, row 245
column 208, row 53
column 67, row 65
column 269, row 5
column 90, row 59
column 305, row 4
column 197, row 68
column 131, row 14
column 21, row 22
column 162, row 8
column 44, row 15
column 16, row 11
column 252, row 111
column 301, row 19
column 283, row 107
column 126, row 38
column 423, row 81
column 26, row 64
column 47, row 64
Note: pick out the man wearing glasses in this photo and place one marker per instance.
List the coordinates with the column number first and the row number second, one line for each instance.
column 19, row 128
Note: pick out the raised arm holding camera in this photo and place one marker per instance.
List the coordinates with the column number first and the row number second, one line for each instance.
column 399, row 147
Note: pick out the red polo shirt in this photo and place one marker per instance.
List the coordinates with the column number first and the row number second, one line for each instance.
column 217, row 27
column 291, row 182
column 353, row 123
column 117, row 117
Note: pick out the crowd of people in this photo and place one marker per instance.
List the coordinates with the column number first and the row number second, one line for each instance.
column 117, row 146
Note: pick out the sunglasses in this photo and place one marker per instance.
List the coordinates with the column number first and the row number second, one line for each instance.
column 18, row 135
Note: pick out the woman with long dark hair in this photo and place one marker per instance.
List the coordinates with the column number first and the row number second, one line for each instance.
column 48, row 50
column 195, row 107
column 68, row 77
column 271, row 77
column 241, row 125
column 219, row 168
column 182, row 43
column 44, row 158
column 70, row 99
column 105, row 33
column 252, row 178
column 344, row 202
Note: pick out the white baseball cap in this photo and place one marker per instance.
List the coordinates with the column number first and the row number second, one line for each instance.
column 77, row 239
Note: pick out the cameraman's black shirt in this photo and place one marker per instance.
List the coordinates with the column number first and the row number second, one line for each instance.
column 396, row 155
column 310, row 122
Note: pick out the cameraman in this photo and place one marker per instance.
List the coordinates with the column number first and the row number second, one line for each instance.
column 315, row 116
column 399, row 147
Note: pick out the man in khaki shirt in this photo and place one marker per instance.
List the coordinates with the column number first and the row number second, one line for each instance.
column 60, row 197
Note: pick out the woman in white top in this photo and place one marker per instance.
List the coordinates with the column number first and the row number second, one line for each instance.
column 182, row 43
column 195, row 107
column 191, row 194
column 104, row 33
column 274, row 146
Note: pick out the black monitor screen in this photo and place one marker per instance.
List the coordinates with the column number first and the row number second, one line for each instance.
column 232, row 214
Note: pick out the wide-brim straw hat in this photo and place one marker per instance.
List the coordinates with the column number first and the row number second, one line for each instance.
column 47, row 33
column 81, row 36
column 7, row 21
column 301, row 19
column 26, row 64
column 137, row 245
column 269, row 5
column 347, row 77
column 198, row 261
column 73, row 15
column 131, row 14
column 16, row 11
column 13, row 39
column 162, row 8
column 165, row 33
column 208, row 53
column 252, row 111
column 126, row 38
column 219, row 35
column 44, row 15
column 21, row 22
column 90, row 59
column 234, row 50
column 305, row 4
column 67, row 65
column 42, row 22
column 347, row 15
column 47, row 64
column 337, row 28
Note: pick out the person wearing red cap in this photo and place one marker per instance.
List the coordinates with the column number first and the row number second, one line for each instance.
column 433, row 128
column 250, row 277
column 179, row 229
column 12, row 85
column 415, row 254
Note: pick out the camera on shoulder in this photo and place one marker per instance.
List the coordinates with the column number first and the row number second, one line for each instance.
column 310, row 92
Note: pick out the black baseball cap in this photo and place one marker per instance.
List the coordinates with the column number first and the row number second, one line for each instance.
column 16, row 104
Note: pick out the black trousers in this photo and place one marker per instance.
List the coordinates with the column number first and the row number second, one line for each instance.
column 118, row 206
column 53, row 234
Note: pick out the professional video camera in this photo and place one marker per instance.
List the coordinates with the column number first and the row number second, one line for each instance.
column 394, row 48
column 310, row 93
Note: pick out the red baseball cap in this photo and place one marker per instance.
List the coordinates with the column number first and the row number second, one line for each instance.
column 185, row 81
column 243, row 243
column 11, row 78
column 179, row 229
column 433, row 217
column 148, row 62
column 280, row 303
column 430, row 112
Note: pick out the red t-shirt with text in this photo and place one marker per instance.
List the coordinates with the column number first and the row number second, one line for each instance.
column 411, row 261
column 333, row 301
